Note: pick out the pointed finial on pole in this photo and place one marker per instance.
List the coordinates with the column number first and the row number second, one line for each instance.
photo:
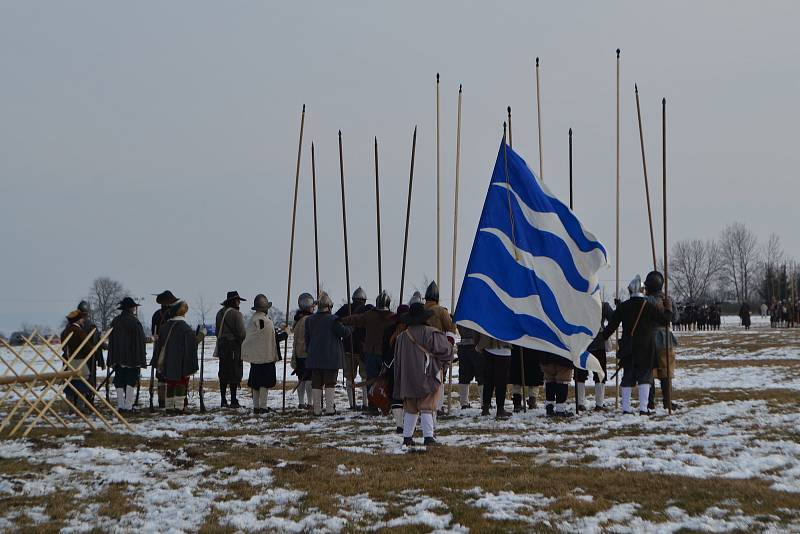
column 437, row 77
column 570, row 132
column 304, row 108
column 636, row 88
column 459, row 88
column 617, row 53
column 537, row 61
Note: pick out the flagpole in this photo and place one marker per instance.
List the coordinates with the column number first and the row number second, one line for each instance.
column 616, row 262
column 510, row 136
column 378, row 218
column 291, row 246
column 508, row 192
column 666, row 262
column 453, row 300
column 316, row 234
column 408, row 215
column 577, row 404
column 438, row 192
column 646, row 183
column 539, row 119
column 347, row 268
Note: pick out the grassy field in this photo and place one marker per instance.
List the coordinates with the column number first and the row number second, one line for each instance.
column 727, row 461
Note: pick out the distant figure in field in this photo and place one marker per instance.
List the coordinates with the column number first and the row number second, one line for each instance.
column 764, row 309
column 744, row 315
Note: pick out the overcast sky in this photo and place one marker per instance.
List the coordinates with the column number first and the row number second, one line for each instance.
column 155, row 142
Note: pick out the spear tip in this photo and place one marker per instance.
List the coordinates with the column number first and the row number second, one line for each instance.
column 509, row 110
column 636, row 88
column 537, row 61
column 570, row 132
column 304, row 108
column 437, row 77
column 617, row 53
column 459, row 88
column 340, row 133
column 664, row 101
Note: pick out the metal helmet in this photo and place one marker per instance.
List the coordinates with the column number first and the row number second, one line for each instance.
column 383, row 301
column 360, row 294
column 84, row 308
column 261, row 303
column 432, row 293
column 635, row 286
column 305, row 302
column 416, row 298
column 654, row 282
column 324, row 302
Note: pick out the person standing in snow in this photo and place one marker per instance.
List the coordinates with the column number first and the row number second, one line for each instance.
column 177, row 362
column 744, row 315
column 524, row 360
column 443, row 321
column 126, row 352
column 373, row 321
column 230, row 335
column 354, row 356
column 261, row 350
column 160, row 317
column 323, row 336
column 76, row 392
column 653, row 286
column 497, row 360
column 470, row 366
column 597, row 348
column 390, row 334
column 96, row 360
column 305, row 308
column 557, row 373
column 637, row 352
column 421, row 351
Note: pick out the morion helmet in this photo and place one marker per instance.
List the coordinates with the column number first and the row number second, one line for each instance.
column 383, row 301
column 432, row 293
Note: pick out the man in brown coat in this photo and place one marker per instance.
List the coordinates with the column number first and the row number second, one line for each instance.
column 230, row 334
column 419, row 355
column 441, row 320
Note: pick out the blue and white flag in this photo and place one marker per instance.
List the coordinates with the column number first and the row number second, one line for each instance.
column 532, row 273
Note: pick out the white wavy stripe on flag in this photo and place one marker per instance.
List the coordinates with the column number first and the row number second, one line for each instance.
column 532, row 305
column 530, row 342
column 576, row 307
column 587, row 263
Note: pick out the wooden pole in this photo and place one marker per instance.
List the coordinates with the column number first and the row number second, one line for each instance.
column 539, row 119
column 291, row 250
column 666, row 259
column 646, row 183
column 408, row 215
column 510, row 136
column 378, row 218
column 438, row 192
column 316, row 232
column 352, row 354
column 453, row 300
column 577, row 404
column 616, row 262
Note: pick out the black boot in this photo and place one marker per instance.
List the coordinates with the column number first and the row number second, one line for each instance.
column 234, row 400
column 651, row 398
column 408, row 442
column 516, row 398
column 549, row 410
column 485, row 409
column 430, row 441
column 531, row 402
column 222, row 392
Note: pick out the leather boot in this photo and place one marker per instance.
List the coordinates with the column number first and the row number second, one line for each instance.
column 234, row 400
column 516, row 398
column 223, row 387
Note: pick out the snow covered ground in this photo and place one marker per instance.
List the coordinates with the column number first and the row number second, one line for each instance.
column 738, row 428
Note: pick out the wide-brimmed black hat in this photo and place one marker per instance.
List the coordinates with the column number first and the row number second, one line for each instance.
column 232, row 295
column 127, row 304
column 417, row 314
column 165, row 297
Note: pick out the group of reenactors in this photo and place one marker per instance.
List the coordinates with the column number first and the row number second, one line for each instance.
column 395, row 362
column 698, row 317
column 784, row 313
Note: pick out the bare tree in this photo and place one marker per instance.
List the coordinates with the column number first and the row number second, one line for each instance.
column 104, row 296
column 204, row 310
column 739, row 252
column 694, row 265
column 772, row 256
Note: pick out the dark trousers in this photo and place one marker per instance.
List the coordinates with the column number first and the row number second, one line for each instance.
column 495, row 375
column 323, row 377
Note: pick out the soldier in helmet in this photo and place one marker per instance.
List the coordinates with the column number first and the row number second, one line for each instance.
column 230, row 335
column 354, row 349
column 374, row 322
column 323, row 337
column 440, row 319
column 654, row 289
column 305, row 308
column 97, row 359
column 261, row 350
column 126, row 352
column 160, row 317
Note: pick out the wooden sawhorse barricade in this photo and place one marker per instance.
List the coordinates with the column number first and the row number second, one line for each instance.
column 56, row 378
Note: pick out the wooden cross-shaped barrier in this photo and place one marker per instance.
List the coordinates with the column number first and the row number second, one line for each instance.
column 60, row 376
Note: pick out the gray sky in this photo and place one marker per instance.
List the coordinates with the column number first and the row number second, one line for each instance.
column 155, row 142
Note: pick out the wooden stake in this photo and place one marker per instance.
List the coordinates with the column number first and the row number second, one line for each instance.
column 408, row 215
column 316, row 234
column 616, row 262
column 347, row 272
column 378, row 218
column 646, row 183
column 453, row 299
column 291, row 249
column 539, row 119
column 666, row 259
column 438, row 190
